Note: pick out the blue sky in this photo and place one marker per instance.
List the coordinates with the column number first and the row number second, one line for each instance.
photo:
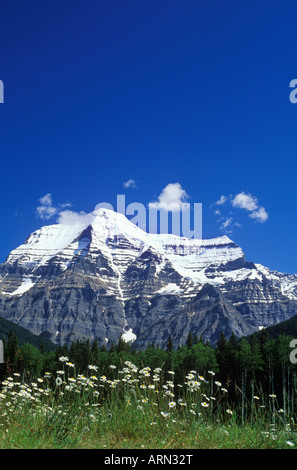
column 194, row 93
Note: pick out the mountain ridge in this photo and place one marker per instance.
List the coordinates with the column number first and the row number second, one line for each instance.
column 105, row 278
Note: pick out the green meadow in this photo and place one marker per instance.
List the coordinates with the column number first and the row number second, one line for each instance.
column 239, row 395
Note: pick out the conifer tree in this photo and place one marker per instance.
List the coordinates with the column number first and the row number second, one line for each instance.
column 190, row 341
column 169, row 347
column 95, row 352
column 12, row 350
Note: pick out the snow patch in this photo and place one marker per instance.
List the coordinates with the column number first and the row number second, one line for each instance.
column 254, row 274
column 170, row 289
column 129, row 336
column 24, row 287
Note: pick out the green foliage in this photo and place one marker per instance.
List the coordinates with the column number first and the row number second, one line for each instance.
column 23, row 335
column 245, row 366
column 116, row 396
column 258, row 361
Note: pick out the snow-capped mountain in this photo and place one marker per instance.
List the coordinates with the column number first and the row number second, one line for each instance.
column 106, row 278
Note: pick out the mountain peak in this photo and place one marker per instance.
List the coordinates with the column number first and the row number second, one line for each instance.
column 109, row 226
column 100, row 276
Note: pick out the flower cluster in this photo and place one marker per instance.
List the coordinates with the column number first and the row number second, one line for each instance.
column 90, row 398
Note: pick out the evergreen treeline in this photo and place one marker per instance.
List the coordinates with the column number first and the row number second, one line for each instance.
column 247, row 367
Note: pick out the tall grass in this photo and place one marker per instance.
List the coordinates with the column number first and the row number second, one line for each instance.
column 136, row 408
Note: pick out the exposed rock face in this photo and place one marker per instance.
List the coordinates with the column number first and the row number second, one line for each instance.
column 108, row 278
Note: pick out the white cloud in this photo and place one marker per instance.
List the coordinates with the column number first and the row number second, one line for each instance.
column 260, row 215
column 129, row 184
column 226, row 223
column 250, row 203
column 46, row 210
column 171, row 198
column 221, row 201
column 245, row 201
column 46, row 200
column 68, row 217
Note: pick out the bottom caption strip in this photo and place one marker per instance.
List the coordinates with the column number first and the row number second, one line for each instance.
column 149, row 458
